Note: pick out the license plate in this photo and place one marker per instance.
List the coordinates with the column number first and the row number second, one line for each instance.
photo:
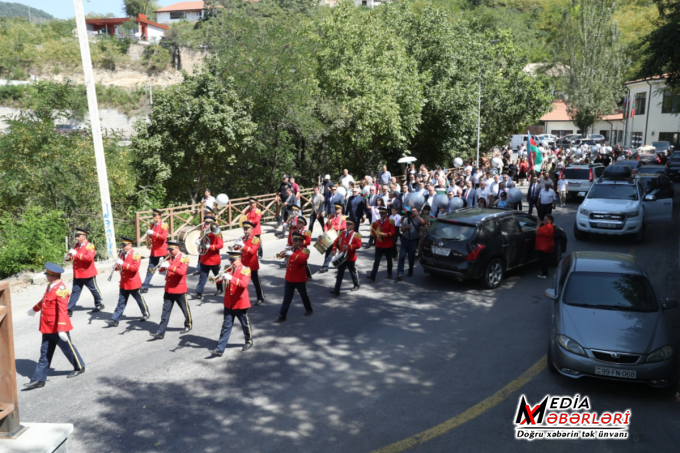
column 443, row 251
column 613, row 372
column 574, row 184
column 607, row 225
column 581, row 194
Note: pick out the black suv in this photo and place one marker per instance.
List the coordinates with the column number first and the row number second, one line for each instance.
column 483, row 243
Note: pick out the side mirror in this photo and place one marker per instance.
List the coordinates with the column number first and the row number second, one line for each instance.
column 550, row 294
column 670, row 303
column 650, row 198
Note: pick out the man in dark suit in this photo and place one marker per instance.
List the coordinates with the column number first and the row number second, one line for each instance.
column 356, row 208
column 532, row 194
column 469, row 195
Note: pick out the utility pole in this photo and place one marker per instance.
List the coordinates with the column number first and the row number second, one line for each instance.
column 479, row 102
column 29, row 13
column 107, row 212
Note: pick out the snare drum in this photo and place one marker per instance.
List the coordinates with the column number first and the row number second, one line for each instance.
column 339, row 259
column 326, row 241
column 187, row 237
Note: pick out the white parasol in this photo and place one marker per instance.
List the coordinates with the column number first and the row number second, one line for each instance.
column 407, row 160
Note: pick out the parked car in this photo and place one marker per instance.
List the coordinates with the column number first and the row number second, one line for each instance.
column 652, row 170
column 581, row 176
column 608, row 322
column 69, row 128
column 482, row 244
column 673, row 165
column 647, row 158
column 657, row 184
column 634, row 165
column 545, row 140
column 567, row 140
column 663, row 147
column 597, row 138
column 618, row 204
column 517, row 140
column 584, row 141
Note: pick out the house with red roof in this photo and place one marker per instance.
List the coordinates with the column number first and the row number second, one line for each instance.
column 558, row 122
column 189, row 11
column 147, row 30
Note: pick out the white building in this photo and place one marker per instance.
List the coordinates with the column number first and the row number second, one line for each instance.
column 656, row 113
column 147, row 31
column 558, row 122
column 190, row 11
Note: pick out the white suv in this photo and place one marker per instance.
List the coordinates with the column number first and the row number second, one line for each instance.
column 618, row 205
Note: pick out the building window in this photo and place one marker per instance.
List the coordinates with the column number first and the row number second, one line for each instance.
column 672, row 137
column 561, row 133
column 670, row 103
column 620, row 136
column 640, row 103
column 636, row 139
column 605, row 134
column 178, row 15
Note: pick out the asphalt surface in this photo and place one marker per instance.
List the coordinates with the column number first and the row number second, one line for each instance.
column 368, row 369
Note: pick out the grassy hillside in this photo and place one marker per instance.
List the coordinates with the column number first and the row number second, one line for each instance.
column 10, row 9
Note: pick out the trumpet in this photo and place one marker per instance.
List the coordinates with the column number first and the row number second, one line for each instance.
column 161, row 261
column 282, row 253
column 204, row 244
column 113, row 268
column 220, row 277
column 237, row 247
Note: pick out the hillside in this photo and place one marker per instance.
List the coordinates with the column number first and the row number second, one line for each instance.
column 11, row 9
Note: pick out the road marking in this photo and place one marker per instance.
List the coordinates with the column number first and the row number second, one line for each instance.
column 473, row 412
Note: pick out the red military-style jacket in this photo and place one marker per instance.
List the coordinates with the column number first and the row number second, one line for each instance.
column 335, row 222
column 254, row 216
column 160, row 234
column 296, row 270
column 350, row 240
column 236, row 295
column 212, row 257
column 176, row 275
column 249, row 249
column 305, row 231
column 129, row 271
column 83, row 262
column 54, row 306
column 387, row 227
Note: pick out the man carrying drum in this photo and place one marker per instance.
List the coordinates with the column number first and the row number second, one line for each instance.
column 347, row 244
column 336, row 222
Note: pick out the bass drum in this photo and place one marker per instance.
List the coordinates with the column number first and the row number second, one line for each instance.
column 187, row 237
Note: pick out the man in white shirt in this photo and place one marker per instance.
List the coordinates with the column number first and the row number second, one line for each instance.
column 477, row 177
column 385, row 176
column 346, row 178
column 546, row 200
column 483, row 192
column 208, row 201
column 494, row 186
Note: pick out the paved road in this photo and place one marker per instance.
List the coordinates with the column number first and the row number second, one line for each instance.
column 366, row 370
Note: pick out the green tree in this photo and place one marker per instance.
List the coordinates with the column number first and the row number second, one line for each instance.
column 147, row 7
column 198, row 135
column 596, row 63
column 662, row 54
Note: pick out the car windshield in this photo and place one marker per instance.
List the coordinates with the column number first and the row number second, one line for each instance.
column 452, row 231
column 577, row 173
column 613, row 192
column 610, row 291
column 660, row 145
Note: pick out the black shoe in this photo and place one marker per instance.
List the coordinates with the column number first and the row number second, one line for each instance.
column 356, row 288
column 410, row 273
column 196, row 273
column 185, row 330
column 158, row 336
column 112, row 323
column 322, row 270
column 98, row 308
column 398, row 278
column 370, row 277
column 198, row 296
column 367, row 246
column 144, row 290
column 76, row 373
column 259, row 302
column 217, row 352
column 246, row 347
column 335, row 293
column 143, row 318
column 70, row 313
column 309, row 312
column 35, row 385
column 219, row 291
column 281, row 318
column 389, row 277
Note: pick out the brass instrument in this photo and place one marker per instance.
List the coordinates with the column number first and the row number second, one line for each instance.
column 377, row 232
column 161, row 261
column 113, row 270
column 204, row 245
column 149, row 241
column 282, row 253
column 220, row 277
column 236, row 247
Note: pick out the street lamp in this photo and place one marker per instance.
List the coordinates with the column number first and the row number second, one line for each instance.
column 479, row 102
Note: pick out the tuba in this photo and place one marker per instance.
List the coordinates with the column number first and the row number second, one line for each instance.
column 204, row 244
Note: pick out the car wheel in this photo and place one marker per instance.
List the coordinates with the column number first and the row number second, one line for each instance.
column 493, row 274
column 580, row 235
column 639, row 237
column 551, row 367
column 557, row 254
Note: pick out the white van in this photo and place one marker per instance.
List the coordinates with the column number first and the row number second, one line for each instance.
column 517, row 141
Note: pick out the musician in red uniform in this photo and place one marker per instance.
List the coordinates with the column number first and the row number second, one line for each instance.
column 250, row 246
column 300, row 227
column 236, row 302
column 296, row 277
column 254, row 216
column 84, row 271
column 211, row 261
column 383, row 230
column 157, row 234
column 335, row 222
column 55, row 326
column 175, row 270
column 348, row 242
column 128, row 265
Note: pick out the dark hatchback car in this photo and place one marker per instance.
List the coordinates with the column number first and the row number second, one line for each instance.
column 658, row 185
column 646, row 158
column 482, row 244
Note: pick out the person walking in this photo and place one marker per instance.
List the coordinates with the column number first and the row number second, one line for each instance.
column 318, row 209
column 532, row 193
column 563, row 188
column 348, row 243
column 156, row 236
column 545, row 243
column 175, row 270
column 128, row 264
column 410, row 236
column 84, row 271
column 546, row 201
column 383, row 231
column 296, row 278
